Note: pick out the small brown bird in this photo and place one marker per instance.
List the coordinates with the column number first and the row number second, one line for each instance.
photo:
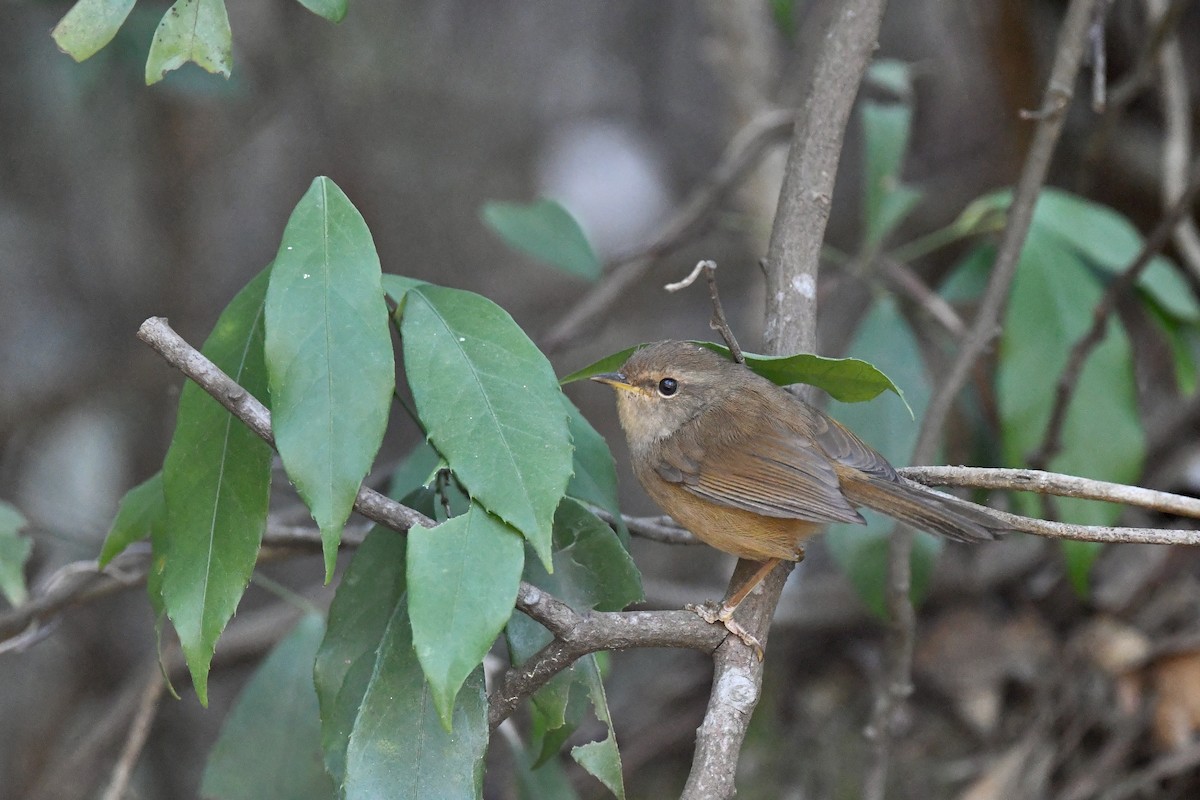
column 753, row 470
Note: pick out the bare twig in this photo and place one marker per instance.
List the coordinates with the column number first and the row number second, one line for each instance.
column 903, row 279
column 718, row 322
column 139, row 731
column 661, row 529
column 743, row 152
column 1099, row 56
column 1072, row 42
column 1030, row 480
column 792, row 260
column 1068, row 379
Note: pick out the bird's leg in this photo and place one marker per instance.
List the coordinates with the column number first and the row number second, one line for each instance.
column 712, row 613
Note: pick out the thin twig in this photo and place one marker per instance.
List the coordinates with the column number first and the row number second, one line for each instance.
column 1072, row 42
column 660, row 529
column 743, row 152
column 903, row 279
column 1099, row 57
column 139, row 731
column 1068, row 379
column 718, row 322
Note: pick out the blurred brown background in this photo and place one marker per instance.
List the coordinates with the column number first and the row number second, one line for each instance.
column 118, row 202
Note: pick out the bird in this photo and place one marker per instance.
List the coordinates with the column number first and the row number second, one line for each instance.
column 753, row 470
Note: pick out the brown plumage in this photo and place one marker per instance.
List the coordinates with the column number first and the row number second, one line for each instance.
column 752, row 469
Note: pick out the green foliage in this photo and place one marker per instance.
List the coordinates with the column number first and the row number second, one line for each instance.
column 886, row 128
column 216, row 481
column 329, row 355
column 332, row 10
column 191, row 30
column 270, row 744
column 89, row 25
column 490, row 405
column 862, row 551
column 546, row 231
column 140, row 509
column 846, row 379
column 14, row 552
column 594, row 478
column 462, row 582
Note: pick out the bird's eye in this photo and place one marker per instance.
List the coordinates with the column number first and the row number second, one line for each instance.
column 668, row 387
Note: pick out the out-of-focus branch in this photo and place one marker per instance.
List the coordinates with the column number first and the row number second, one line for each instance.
column 1072, row 42
column 743, row 152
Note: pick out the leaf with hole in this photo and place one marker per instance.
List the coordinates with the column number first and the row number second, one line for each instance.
column 191, row 30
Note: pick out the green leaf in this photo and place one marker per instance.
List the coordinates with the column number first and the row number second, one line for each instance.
column 1051, row 306
column 490, row 405
column 89, row 25
column 371, row 588
column 216, row 484
column 592, row 569
column 546, row 231
column 329, row 355
column 862, row 552
column 1163, row 283
column 595, row 478
column 887, row 200
column 552, row 723
column 191, row 30
column 270, row 744
column 332, row 10
column 846, row 379
column 14, row 552
column 399, row 749
column 601, row 759
column 140, row 508
column 1080, row 557
column 462, row 583
column 398, row 286
column 538, row 781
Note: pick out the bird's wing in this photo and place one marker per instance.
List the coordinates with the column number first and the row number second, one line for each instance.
column 758, row 465
column 841, row 445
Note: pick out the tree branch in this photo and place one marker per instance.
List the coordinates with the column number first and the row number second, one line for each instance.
column 792, row 260
column 578, row 634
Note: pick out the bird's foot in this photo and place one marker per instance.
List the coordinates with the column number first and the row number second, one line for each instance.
column 713, row 613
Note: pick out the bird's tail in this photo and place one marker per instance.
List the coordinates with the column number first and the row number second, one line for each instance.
column 923, row 508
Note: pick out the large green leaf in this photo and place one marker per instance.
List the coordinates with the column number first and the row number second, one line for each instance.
column 216, row 483
column 1050, row 309
column 139, row 509
column 862, row 551
column 491, row 406
column 595, row 473
column 329, row 354
column 270, row 744
column 89, row 25
column 846, row 379
column 14, row 552
column 371, row 588
column 398, row 748
column 191, row 30
column 462, row 583
column 547, row 231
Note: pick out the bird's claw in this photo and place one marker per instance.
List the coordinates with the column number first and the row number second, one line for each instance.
column 713, row 613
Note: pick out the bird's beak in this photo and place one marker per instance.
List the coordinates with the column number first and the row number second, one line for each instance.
column 616, row 380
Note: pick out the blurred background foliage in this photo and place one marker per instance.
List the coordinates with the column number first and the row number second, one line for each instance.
column 440, row 120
